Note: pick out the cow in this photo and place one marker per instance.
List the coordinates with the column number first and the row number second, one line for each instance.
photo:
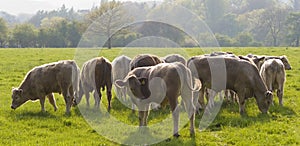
column 154, row 83
column 95, row 74
column 284, row 60
column 259, row 60
column 174, row 58
column 120, row 68
column 43, row 81
column 143, row 60
column 241, row 76
column 273, row 73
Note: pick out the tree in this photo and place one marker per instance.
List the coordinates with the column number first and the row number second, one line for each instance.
column 3, row 32
column 273, row 19
column 74, row 33
column 24, row 35
column 293, row 23
column 245, row 39
column 112, row 17
column 215, row 12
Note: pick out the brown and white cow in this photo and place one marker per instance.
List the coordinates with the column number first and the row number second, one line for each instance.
column 43, row 81
column 273, row 73
column 220, row 73
column 96, row 74
column 143, row 60
column 154, row 83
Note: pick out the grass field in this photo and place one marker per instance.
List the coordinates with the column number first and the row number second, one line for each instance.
column 28, row 126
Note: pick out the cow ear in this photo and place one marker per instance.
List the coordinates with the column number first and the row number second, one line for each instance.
column 143, row 80
column 17, row 91
column 120, row 83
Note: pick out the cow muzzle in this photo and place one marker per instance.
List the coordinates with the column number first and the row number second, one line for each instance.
column 12, row 107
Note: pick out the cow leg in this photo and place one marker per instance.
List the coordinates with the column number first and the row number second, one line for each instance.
column 80, row 94
column 52, row 101
column 175, row 115
column 201, row 98
column 269, row 86
column 143, row 115
column 190, row 109
column 108, row 94
column 68, row 98
column 241, row 100
column 97, row 97
column 280, row 95
column 211, row 96
column 280, row 82
column 42, row 102
column 87, row 98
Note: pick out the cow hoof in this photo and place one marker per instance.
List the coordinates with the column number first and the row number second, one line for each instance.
column 176, row 135
column 168, row 139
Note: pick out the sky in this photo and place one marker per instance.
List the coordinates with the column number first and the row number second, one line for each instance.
column 16, row 7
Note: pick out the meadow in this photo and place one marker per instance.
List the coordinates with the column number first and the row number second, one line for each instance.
column 27, row 125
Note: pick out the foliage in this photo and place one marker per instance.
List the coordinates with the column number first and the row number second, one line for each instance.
column 293, row 22
column 24, row 35
column 63, row 12
column 3, row 32
column 269, row 22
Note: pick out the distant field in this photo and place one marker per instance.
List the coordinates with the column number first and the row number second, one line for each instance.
column 28, row 126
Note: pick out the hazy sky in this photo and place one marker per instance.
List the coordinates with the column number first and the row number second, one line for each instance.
column 16, row 7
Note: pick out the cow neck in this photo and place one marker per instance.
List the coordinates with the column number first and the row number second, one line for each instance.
column 259, row 84
column 25, row 86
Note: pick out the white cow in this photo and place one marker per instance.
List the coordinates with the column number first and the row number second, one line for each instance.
column 120, row 68
column 273, row 73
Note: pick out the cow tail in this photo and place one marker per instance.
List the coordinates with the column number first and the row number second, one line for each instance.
column 76, row 79
column 104, row 71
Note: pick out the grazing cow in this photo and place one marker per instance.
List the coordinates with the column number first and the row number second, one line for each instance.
column 143, row 60
column 241, row 76
column 210, row 94
column 43, row 81
column 153, row 84
column 95, row 74
column 174, row 58
column 273, row 73
column 120, row 68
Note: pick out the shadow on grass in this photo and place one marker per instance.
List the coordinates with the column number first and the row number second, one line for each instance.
column 229, row 116
column 34, row 115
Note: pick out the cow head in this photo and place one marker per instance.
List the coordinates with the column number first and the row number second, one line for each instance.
column 17, row 98
column 286, row 63
column 266, row 102
column 258, row 61
column 138, row 86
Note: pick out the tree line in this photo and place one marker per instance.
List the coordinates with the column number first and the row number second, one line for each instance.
column 233, row 22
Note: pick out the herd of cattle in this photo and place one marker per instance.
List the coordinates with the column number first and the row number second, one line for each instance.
column 148, row 79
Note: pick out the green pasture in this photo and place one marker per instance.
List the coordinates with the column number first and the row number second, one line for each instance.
column 27, row 125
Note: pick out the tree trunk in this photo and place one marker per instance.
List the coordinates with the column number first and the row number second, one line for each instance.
column 297, row 41
column 109, row 43
column 275, row 41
